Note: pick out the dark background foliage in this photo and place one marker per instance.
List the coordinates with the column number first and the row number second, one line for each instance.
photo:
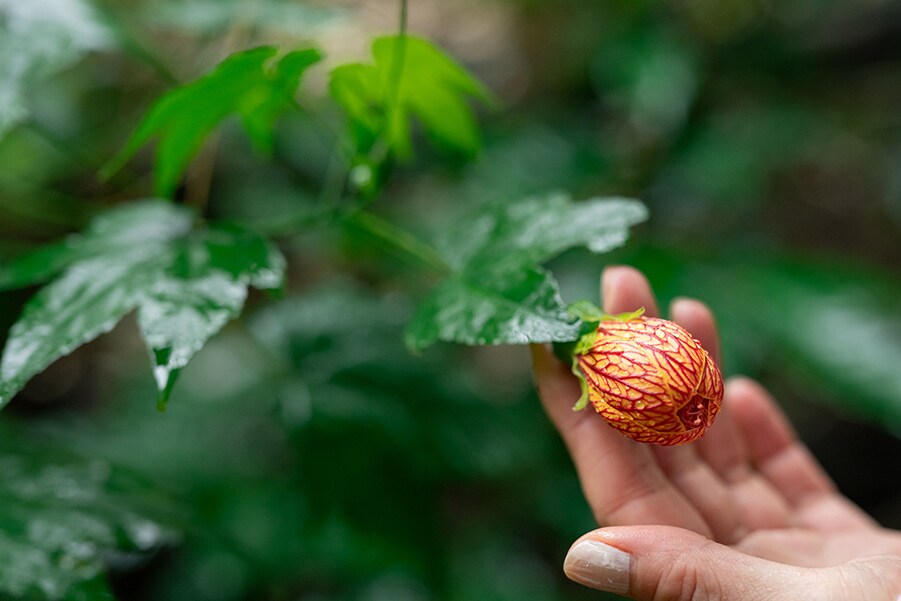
column 306, row 454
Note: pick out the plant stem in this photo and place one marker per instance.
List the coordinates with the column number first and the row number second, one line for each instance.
column 380, row 150
column 402, row 26
column 400, row 239
column 397, row 63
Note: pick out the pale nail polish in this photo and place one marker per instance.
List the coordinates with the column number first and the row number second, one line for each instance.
column 599, row 566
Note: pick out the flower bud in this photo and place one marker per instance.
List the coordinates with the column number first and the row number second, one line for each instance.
column 650, row 379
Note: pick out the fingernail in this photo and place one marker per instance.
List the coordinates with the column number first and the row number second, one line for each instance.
column 599, row 566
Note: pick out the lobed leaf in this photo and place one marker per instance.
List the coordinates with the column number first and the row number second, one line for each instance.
column 409, row 78
column 535, row 230
column 179, row 313
column 497, row 293
column 474, row 308
column 252, row 84
column 87, row 301
column 186, row 285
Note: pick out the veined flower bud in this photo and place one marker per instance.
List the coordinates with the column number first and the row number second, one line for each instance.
column 650, row 379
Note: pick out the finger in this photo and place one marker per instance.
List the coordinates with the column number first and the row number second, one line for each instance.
column 626, row 289
column 817, row 548
column 757, row 504
column 787, row 464
column 703, row 488
column 658, row 562
column 684, row 465
column 620, row 478
column 720, row 447
column 694, row 316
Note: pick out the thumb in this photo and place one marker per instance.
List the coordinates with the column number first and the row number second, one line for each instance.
column 662, row 563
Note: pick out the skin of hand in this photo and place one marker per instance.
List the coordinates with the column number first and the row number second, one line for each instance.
column 743, row 514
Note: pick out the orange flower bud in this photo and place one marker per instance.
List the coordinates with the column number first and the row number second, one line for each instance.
column 650, row 379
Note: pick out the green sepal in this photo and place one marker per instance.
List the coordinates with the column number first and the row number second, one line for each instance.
column 568, row 352
column 590, row 315
column 589, row 312
column 583, row 384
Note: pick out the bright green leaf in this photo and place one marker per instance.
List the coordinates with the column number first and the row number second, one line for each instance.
column 409, row 78
column 185, row 286
column 37, row 39
column 254, row 85
column 497, row 294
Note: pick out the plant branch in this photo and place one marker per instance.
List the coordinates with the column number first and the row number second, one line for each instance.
column 399, row 239
column 380, row 150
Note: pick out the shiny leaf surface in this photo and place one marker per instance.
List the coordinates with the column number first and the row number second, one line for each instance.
column 497, row 294
column 87, row 301
column 185, row 285
column 204, row 290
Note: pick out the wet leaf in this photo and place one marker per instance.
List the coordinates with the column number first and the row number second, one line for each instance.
column 179, row 313
column 409, row 77
column 177, row 316
column 255, row 85
column 62, row 521
column 186, row 285
column 88, row 300
column 497, row 294
column 475, row 308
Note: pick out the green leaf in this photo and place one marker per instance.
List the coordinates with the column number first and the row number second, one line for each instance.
column 37, row 39
column 177, row 315
column 409, row 78
column 497, row 294
column 477, row 308
column 87, row 301
column 535, row 230
column 62, row 517
column 186, row 285
column 252, row 84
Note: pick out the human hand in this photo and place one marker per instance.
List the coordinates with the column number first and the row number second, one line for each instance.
column 745, row 512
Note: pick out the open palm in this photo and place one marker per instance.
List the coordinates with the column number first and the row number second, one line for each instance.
column 748, row 483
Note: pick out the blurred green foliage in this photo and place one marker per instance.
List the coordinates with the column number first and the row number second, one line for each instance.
column 309, row 455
